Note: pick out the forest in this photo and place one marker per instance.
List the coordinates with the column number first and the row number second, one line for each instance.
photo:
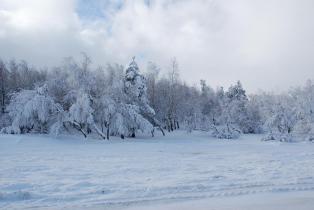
column 117, row 100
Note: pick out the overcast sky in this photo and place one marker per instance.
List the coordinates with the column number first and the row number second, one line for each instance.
column 267, row 44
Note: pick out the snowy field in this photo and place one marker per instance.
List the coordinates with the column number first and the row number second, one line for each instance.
column 179, row 171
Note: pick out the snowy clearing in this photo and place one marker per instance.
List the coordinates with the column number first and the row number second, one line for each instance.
column 179, row 171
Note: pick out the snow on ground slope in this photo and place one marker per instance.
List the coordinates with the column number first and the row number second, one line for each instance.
column 41, row 172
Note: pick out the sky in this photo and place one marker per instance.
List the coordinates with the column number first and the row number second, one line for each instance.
column 266, row 44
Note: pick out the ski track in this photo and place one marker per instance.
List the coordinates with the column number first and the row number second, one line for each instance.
column 39, row 172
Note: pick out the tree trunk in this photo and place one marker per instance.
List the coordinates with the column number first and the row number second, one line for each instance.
column 79, row 128
column 3, row 103
column 108, row 132
column 171, row 125
column 153, row 132
column 2, row 80
column 162, row 131
column 98, row 131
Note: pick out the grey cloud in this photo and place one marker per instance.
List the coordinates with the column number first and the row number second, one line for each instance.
column 265, row 44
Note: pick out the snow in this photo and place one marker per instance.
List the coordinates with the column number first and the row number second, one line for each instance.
column 178, row 171
column 283, row 201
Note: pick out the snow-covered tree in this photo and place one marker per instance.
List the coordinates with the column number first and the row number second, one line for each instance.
column 3, row 86
column 304, row 104
column 173, row 98
column 130, row 121
column 152, row 78
column 32, row 111
column 211, row 105
column 281, row 120
column 135, row 88
column 109, row 100
column 190, row 109
column 240, row 111
column 80, row 113
column 236, row 101
column 81, row 117
column 105, row 112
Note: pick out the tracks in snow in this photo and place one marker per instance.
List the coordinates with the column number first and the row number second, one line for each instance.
column 188, row 193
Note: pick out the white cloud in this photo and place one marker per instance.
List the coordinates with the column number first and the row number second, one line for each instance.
column 266, row 44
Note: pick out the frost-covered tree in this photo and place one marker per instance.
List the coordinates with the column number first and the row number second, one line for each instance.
column 105, row 112
column 152, row 78
column 240, row 112
column 254, row 117
column 282, row 118
column 173, row 98
column 129, row 121
column 191, row 110
column 135, row 88
column 236, row 110
column 211, row 105
column 234, row 113
column 304, row 104
column 32, row 111
column 80, row 115
column 3, row 86
column 109, row 101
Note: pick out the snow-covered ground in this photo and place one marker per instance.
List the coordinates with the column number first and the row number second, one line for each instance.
column 179, row 171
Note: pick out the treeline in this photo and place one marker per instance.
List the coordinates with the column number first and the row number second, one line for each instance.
column 118, row 101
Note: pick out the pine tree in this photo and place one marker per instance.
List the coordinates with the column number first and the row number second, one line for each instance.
column 136, row 91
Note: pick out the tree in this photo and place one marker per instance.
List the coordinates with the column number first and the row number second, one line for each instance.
column 239, row 111
column 152, row 77
column 81, row 116
column 173, row 99
column 3, row 86
column 281, row 120
column 210, row 102
column 234, row 113
column 105, row 112
column 304, row 103
column 136, row 95
column 15, row 76
column 32, row 110
column 190, row 109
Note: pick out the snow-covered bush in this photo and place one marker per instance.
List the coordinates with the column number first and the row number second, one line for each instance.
column 287, row 137
column 225, row 132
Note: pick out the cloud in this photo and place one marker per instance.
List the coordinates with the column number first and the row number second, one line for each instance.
column 265, row 44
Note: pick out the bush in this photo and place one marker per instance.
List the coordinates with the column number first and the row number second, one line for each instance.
column 226, row 132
